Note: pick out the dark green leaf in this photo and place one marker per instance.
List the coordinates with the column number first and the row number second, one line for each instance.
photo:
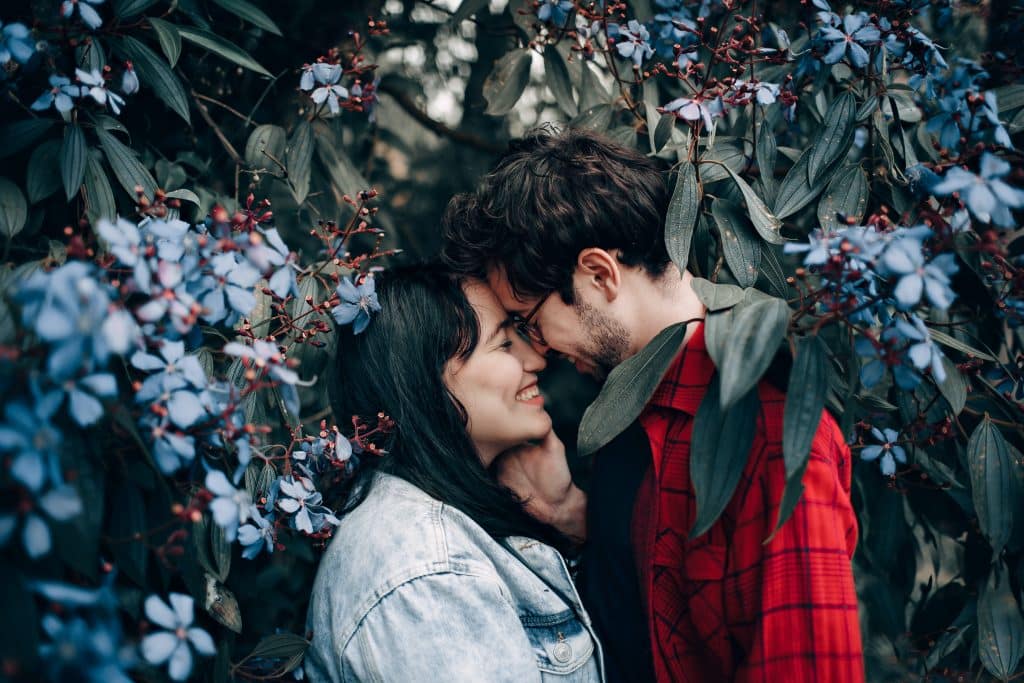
column 847, row 194
column 956, row 386
column 954, row 343
column 73, row 155
column 265, row 145
column 592, row 91
column 716, row 297
column 220, row 547
column 791, row 494
column 13, row 209
column 830, row 145
column 155, row 73
column 344, row 175
column 1009, row 97
column 627, row 390
column 221, row 604
column 808, row 384
column 17, row 136
column 186, row 195
column 279, row 646
column 682, row 215
column 169, row 37
column 739, row 243
column 222, row 48
column 507, row 81
column 795, row 192
column 727, row 155
column 467, row 9
column 99, row 198
column 757, row 330
column 299, row 160
column 128, row 170
column 129, row 8
column 720, row 449
column 597, row 118
column 766, row 154
column 866, row 109
column 43, row 177
column 557, row 76
column 766, row 224
column 249, row 12
column 992, row 485
column 1000, row 627
column 127, row 527
column 771, row 270
column 663, row 131
column 19, row 635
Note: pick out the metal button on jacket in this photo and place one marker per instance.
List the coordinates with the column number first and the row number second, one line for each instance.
column 562, row 652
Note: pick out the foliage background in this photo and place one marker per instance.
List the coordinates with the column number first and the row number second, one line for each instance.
column 939, row 565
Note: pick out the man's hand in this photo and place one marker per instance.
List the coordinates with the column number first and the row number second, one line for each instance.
column 539, row 475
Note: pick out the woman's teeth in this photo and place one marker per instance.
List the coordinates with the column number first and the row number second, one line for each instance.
column 528, row 393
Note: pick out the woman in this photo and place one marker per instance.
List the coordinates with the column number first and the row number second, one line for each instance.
column 437, row 571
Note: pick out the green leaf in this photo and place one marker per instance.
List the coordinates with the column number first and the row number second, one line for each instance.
column 717, row 159
column 155, row 73
column 592, row 91
column 221, row 604
column 169, row 37
column 651, row 100
column 128, row 170
column 771, row 270
column 220, row 546
column 344, row 175
column 99, row 198
column 795, row 192
column 766, row 224
column 558, row 81
column 129, row 8
column 279, row 646
column 185, row 195
column 954, row 343
column 266, row 143
column 719, row 451
column 627, row 390
column 299, row 160
column 955, row 387
column 43, row 176
column 597, row 118
column 847, row 193
column 766, row 155
column 18, row 641
column 249, row 12
column 1000, row 627
column 739, row 243
column 757, row 329
column 127, row 526
column 1009, row 97
column 73, row 155
column 830, row 145
column 992, row 471
column 13, row 209
column 682, row 215
column 222, row 48
column 16, row 136
column 467, row 9
column 507, row 81
column 716, row 297
column 663, row 131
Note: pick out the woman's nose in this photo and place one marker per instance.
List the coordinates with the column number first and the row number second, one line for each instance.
column 529, row 353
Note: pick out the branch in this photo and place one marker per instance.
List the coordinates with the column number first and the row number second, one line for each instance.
column 409, row 105
column 232, row 152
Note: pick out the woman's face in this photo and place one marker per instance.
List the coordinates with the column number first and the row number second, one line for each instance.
column 497, row 382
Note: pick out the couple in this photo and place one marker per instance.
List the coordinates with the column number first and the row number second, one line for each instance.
column 448, row 564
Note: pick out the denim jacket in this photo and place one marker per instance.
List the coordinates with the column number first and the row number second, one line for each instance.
column 411, row 589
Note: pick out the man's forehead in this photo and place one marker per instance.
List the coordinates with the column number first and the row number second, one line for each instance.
column 503, row 290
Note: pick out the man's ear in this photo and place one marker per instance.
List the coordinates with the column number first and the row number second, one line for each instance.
column 599, row 269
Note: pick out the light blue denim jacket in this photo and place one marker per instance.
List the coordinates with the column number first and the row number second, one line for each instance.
column 411, row 589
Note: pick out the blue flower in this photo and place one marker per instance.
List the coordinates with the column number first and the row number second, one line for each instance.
column 889, row 450
column 857, row 34
column 258, row 535
column 176, row 371
column 987, row 196
column 298, row 498
column 633, row 42
column 230, row 506
column 16, row 43
column 555, row 11
column 175, row 645
column 904, row 258
column 818, row 248
column 82, row 393
column 330, row 91
column 61, row 503
column 88, row 14
column 172, row 448
column 129, row 80
column 695, row 109
column 82, row 650
column 35, row 442
column 229, row 288
column 923, row 352
column 95, row 87
column 358, row 302
column 60, row 95
column 267, row 251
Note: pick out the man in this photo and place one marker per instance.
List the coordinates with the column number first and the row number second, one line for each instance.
column 568, row 230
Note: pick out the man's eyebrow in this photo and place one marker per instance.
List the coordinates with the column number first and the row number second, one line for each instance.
column 497, row 330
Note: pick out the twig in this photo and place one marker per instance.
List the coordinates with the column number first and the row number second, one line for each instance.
column 409, row 105
column 231, row 109
column 266, row 91
column 232, row 152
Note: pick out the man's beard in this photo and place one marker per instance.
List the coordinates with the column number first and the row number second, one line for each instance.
column 608, row 344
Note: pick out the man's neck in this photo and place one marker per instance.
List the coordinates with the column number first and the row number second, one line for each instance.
column 670, row 300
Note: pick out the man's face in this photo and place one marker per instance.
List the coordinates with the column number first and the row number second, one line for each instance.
column 584, row 332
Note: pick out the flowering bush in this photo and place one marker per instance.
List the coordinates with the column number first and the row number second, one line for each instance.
column 846, row 178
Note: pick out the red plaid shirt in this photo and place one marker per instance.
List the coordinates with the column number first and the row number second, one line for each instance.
column 726, row 607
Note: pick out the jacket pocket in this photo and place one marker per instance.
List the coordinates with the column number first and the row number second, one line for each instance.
column 559, row 641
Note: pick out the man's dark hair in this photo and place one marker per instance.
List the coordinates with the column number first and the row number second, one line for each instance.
column 396, row 366
column 550, row 196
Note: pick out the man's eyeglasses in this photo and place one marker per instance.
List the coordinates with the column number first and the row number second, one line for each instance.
column 526, row 327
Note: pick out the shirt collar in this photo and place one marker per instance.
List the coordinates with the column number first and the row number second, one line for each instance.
column 686, row 381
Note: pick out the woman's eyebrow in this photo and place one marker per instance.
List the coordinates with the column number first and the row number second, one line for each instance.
column 497, row 330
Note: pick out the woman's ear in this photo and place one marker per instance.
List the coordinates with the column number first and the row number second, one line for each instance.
column 599, row 269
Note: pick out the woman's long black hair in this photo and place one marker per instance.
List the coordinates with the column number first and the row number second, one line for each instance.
column 396, row 367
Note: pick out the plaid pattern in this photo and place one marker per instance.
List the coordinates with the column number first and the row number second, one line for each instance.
column 725, row 607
